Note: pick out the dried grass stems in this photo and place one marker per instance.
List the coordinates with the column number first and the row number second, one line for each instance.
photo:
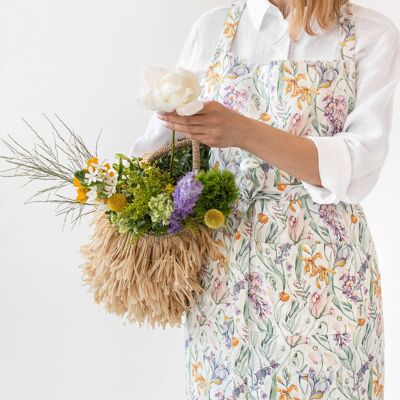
column 54, row 161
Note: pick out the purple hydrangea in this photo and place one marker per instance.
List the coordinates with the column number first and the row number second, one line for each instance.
column 185, row 196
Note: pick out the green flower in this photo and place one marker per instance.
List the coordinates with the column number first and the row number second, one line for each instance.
column 161, row 207
column 220, row 191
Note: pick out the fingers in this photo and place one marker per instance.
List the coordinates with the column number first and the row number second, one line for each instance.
column 195, row 119
column 185, row 128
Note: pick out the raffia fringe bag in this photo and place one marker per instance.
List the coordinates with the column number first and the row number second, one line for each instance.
column 155, row 279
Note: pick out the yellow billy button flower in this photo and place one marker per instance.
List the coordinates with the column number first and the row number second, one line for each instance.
column 117, row 202
column 214, row 218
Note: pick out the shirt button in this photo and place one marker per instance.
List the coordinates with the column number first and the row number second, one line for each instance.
column 249, row 163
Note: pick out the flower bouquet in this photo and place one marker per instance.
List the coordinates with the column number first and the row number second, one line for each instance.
column 153, row 216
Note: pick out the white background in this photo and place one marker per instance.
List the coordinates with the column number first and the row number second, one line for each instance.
column 82, row 59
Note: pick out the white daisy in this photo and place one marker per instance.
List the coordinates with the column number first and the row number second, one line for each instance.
column 92, row 175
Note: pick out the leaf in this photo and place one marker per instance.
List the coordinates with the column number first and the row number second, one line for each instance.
column 273, row 393
column 299, row 264
column 315, row 124
column 281, row 82
column 347, row 306
column 370, row 385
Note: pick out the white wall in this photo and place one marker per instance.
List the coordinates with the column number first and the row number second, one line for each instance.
column 81, row 60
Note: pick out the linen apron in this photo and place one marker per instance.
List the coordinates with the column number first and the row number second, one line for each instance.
column 292, row 306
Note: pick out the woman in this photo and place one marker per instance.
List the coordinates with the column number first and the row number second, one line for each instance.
column 292, row 306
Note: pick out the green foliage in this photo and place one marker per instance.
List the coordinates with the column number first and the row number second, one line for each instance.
column 161, row 207
column 81, row 176
column 220, row 191
column 140, row 184
column 148, row 191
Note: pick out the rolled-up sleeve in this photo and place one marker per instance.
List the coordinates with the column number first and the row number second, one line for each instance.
column 350, row 161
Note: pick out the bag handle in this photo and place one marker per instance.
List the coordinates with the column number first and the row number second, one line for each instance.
column 151, row 157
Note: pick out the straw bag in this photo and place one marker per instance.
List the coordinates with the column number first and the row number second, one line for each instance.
column 155, row 279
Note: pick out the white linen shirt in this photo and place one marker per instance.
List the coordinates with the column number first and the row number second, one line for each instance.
column 349, row 162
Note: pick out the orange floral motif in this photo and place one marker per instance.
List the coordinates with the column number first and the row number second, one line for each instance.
column 285, row 393
column 283, row 296
column 265, row 117
column 377, row 284
column 222, row 261
column 321, row 272
column 212, row 77
column 198, row 378
column 354, row 218
column 303, row 93
column 229, row 29
column 263, row 218
column 378, row 385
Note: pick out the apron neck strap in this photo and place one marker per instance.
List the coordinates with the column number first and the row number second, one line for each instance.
column 230, row 27
column 347, row 36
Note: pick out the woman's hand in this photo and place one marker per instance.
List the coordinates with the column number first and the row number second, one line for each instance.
column 219, row 126
column 215, row 125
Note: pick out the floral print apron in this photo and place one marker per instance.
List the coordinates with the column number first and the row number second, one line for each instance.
column 292, row 305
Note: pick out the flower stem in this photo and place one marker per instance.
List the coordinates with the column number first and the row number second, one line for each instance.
column 172, row 152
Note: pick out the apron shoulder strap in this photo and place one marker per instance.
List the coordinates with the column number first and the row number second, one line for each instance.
column 347, row 34
column 231, row 23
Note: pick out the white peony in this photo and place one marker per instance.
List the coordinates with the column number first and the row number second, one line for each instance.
column 171, row 90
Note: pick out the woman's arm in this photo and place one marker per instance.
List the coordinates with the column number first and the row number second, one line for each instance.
column 344, row 167
column 293, row 154
column 219, row 126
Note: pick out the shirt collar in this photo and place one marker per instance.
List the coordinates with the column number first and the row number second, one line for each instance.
column 258, row 8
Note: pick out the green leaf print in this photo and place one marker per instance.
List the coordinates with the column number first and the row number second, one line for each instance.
column 242, row 362
column 352, row 105
column 273, row 393
column 315, row 124
column 324, row 130
column 370, row 385
column 299, row 266
column 281, row 82
column 246, row 311
column 366, row 340
column 256, row 101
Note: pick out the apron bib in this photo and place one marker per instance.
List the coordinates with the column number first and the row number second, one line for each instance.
column 292, row 305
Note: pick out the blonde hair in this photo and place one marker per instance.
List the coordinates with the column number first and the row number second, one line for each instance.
column 304, row 13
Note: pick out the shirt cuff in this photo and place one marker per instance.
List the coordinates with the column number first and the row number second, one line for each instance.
column 335, row 168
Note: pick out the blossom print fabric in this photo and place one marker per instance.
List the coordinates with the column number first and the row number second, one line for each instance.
column 292, row 305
